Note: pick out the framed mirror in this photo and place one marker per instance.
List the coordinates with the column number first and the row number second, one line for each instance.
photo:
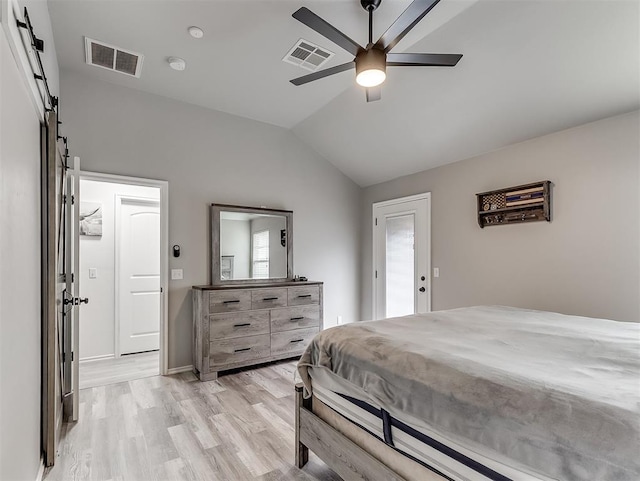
column 250, row 245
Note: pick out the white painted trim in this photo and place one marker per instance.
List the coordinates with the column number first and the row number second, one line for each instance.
column 400, row 200
column 376, row 205
column 178, row 370
column 96, row 358
column 119, row 200
column 40, row 473
column 163, row 185
column 75, row 363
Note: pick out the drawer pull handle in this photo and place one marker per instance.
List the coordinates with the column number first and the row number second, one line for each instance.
column 231, row 302
column 297, row 340
column 305, row 295
column 269, row 298
column 245, row 349
column 244, row 324
column 297, row 318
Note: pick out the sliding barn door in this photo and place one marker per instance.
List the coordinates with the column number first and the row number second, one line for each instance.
column 58, row 301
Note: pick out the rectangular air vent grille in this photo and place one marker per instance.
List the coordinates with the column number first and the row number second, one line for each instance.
column 112, row 58
column 307, row 55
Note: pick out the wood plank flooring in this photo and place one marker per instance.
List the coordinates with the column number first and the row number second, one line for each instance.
column 124, row 368
column 239, row 428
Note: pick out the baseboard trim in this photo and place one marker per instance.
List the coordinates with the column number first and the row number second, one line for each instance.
column 178, row 370
column 97, row 358
column 40, row 474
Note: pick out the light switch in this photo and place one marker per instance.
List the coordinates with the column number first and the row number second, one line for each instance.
column 436, row 272
column 176, row 274
column 93, row 273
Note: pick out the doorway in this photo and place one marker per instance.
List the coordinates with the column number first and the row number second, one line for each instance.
column 402, row 256
column 123, row 268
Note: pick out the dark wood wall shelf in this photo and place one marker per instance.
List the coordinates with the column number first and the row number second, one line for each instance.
column 513, row 205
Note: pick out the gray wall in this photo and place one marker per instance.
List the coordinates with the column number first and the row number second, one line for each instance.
column 19, row 275
column 585, row 262
column 20, row 371
column 209, row 157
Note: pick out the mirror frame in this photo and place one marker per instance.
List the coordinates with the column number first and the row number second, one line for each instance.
column 215, row 243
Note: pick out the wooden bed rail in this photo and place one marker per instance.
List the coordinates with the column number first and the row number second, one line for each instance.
column 341, row 454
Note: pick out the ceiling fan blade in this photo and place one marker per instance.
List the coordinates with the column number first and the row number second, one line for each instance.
column 405, row 22
column 323, row 73
column 423, row 59
column 327, row 30
column 374, row 93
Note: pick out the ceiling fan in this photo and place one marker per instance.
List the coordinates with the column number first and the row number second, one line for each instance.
column 371, row 62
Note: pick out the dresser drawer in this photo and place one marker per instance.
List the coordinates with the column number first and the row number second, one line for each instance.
column 298, row 296
column 289, row 318
column 268, row 298
column 229, row 351
column 229, row 301
column 291, row 342
column 238, row 324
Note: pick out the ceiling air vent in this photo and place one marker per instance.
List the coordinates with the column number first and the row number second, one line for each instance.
column 307, row 55
column 113, row 58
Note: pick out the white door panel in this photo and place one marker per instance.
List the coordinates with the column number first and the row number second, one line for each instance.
column 138, row 275
column 401, row 257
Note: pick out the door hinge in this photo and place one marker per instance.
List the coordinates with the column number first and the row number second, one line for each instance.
column 73, row 278
column 376, row 221
column 73, row 199
column 376, row 273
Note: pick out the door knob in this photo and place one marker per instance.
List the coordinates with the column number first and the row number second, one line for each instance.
column 422, row 289
column 83, row 301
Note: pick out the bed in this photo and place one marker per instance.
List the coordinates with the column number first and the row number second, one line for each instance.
column 482, row 393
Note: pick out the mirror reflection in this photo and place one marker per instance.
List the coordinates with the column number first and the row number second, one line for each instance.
column 252, row 246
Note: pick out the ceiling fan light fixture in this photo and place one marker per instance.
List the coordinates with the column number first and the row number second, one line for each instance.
column 371, row 68
column 371, row 78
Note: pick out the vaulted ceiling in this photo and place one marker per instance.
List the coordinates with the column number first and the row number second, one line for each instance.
column 530, row 67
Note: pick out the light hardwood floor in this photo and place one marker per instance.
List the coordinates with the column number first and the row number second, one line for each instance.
column 238, row 428
column 125, row 368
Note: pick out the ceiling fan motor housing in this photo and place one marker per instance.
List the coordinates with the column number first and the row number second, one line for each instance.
column 372, row 58
column 370, row 4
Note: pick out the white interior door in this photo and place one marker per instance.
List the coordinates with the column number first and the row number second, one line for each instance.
column 401, row 240
column 138, row 262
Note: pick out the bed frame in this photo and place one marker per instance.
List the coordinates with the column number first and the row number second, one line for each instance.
column 341, row 454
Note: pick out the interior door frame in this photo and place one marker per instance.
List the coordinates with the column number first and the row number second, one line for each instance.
column 163, row 185
column 400, row 200
column 118, row 233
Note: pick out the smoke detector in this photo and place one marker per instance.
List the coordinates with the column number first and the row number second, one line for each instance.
column 110, row 57
column 196, row 32
column 177, row 63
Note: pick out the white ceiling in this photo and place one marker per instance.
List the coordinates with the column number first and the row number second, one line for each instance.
column 530, row 67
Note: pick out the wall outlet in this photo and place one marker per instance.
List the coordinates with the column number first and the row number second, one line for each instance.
column 93, row 273
column 339, row 320
column 436, row 272
column 177, row 274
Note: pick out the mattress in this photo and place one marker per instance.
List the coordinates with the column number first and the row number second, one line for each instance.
column 546, row 395
column 408, row 437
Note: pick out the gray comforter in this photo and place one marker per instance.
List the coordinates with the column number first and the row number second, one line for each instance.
column 556, row 395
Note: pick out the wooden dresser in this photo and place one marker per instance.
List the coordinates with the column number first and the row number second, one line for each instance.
column 236, row 326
